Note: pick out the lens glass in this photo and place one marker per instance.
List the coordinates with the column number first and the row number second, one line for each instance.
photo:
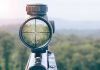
column 35, row 33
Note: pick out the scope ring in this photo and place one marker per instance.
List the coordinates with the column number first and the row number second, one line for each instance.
column 44, row 46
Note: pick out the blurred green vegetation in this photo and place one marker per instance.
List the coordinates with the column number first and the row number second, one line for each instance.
column 72, row 52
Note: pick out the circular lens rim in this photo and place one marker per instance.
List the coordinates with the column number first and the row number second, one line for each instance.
column 46, row 43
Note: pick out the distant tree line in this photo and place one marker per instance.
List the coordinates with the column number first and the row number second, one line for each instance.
column 72, row 52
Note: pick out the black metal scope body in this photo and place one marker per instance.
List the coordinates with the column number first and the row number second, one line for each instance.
column 38, row 20
column 36, row 33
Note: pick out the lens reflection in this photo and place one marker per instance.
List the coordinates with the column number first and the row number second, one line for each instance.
column 35, row 33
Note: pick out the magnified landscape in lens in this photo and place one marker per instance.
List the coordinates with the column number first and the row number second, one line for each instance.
column 35, row 33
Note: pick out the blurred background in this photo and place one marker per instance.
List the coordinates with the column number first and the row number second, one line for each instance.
column 76, row 42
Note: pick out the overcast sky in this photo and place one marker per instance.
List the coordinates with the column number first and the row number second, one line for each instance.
column 76, row 10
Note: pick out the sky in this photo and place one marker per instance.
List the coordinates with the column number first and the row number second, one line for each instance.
column 73, row 10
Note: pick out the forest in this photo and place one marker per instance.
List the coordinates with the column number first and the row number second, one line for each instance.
column 72, row 51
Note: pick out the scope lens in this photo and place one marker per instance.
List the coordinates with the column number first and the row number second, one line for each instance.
column 35, row 33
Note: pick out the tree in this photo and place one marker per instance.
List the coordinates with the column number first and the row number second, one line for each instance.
column 7, row 45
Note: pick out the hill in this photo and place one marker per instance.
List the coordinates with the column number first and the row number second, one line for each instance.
column 62, row 27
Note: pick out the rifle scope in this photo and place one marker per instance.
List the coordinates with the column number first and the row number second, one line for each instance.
column 36, row 32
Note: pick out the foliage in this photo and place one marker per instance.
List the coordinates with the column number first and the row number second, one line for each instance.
column 13, row 55
column 72, row 52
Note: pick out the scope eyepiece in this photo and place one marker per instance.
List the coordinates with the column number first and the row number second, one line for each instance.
column 36, row 33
